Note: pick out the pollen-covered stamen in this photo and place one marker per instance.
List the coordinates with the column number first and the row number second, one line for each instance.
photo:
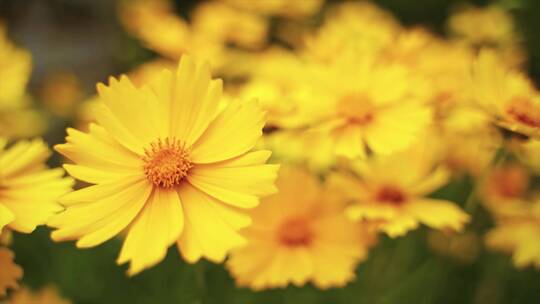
column 167, row 162
column 295, row 233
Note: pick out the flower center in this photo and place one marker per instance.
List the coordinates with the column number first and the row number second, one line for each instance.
column 295, row 233
column 524, row 111
column 166, row 163
column 390, row 194
column 356, row 108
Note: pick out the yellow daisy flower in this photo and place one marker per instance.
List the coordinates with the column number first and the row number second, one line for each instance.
column 299, row 236
column 508, row 97
column 10, row 272
column 391, row 192
column 370, row 107
column 28, row 189
column 168, row 166
column 48, row 295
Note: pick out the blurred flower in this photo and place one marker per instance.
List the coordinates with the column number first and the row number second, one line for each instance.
column 48, row 295
column 518, row 235
column 508, row 97
column 369, row 107
column 10, row 272
column 161, row 170
column 391, row 191
column 227, row 24
column 284, row 8
column 299, row 237
column 61, row 92
column 359, row 26
column 15, row 72
column 489, row 26
column 290, row 146
column 17, row 119
column 28, row 189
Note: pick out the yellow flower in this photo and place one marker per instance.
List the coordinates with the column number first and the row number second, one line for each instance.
column 168, row 166
column 518, row 235
column 361, row 26
column 489, row 25
column 508, row 97
column 285, row 8
column 15, row 72
column 10, row 272
column 48, row 295
column 368, row 106
column 391, row 191
column 299, row 235
column 28, row 189
column 224, row 23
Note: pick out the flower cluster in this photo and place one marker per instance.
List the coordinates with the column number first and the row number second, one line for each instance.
column 331, row 125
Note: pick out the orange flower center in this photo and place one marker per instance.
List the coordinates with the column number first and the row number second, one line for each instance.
column 522, row 110
column 295, row 233
column 166, row 163
column 390, row 194
column 356, row 108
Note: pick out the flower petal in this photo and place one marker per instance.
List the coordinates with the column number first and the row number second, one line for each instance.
column 10, row 272
column 194, row 101
column 209, row 230
column 96, row 221
column 438, row 214
column 239, row 126
column 157, row 227
column 240, row 186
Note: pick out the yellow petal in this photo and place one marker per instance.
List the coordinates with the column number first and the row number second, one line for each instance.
column 397, row 128
column 157, row 227
column 207, row 232
column 94, row 222
column 240, row 186
column 24, row 155
column 133, row 108
column 98, row 150
column 349, row 142
column 239, row 126
column 430, row 183
column 6, row 216
column 399, row 225
column 438, row 214
column 194, row 101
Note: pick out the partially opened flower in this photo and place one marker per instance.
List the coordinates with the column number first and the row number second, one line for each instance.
column 168, row 166
column 9, row 271
column 299, row 235
column 392, row 190
column 28, row 189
